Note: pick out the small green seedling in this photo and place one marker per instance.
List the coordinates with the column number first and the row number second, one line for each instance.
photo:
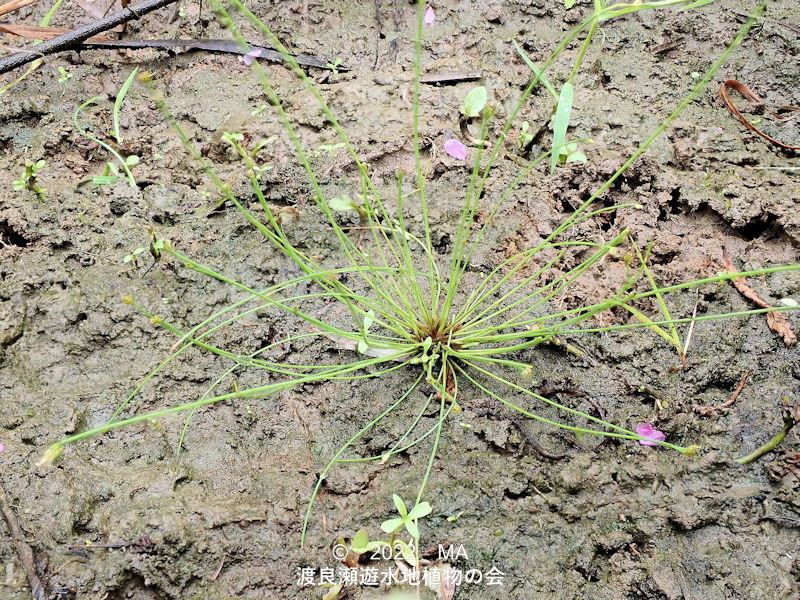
column 123, row 91
column 344, row 203
column 361, row 544
column 387, row 550
column 560, row 123
column 572, row 154
column 254, row 171
column 155, row 248
column 474, row 102
column 111, row 174
column 27, row 180
column 124, row 162
column 525, row 137
column 426, row 359
column 407, row 520
column 65, row 76
column 331, row 148
column 334, row 66
column 259, row 110
column 132, row 257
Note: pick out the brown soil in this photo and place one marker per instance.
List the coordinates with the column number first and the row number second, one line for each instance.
column 611, row 520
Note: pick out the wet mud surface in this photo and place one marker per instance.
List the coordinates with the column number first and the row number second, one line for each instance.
column 223, row 519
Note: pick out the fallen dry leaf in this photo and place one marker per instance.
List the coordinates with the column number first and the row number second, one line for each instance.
column 776, row 321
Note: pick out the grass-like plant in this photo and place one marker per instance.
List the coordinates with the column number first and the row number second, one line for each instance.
column 452, row 326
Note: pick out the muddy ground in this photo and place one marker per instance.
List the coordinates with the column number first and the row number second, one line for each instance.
column 611, row 520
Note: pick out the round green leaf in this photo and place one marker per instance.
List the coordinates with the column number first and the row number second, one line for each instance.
column 474, row 102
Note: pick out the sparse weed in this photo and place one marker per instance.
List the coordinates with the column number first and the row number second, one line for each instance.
column 64, row 77
column 451, row 325
column 111, row 173
column 334, row 66
column 29, row 176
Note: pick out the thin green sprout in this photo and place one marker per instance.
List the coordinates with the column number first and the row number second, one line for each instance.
column 114, row 153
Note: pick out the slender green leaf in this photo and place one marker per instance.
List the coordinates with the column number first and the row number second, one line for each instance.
column 560, row 124
column 412, row 529
column 697, row 4
column 400, row 505
column 118, row 103
column 536, row 71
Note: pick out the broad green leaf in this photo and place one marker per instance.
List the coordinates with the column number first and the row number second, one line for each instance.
column 427, row 344
column 407, row 552
column 362, row 346
column 423, row 509
column 360, row 541
column 400, row 505
column 576, row 156
column 342, row 203
column 391, row 525
column 474, row 102
column 560, row 124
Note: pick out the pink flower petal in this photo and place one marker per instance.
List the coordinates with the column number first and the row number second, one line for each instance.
column 647, row 430
column 2, row 447
column 250, row 56
column 429, row 17
column 456, row 149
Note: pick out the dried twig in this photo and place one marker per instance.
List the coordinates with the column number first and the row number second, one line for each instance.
column 755, row 99
column 528, row 438
column 14, row 5
column 707, row 410
column 449, row 78
column 74, row 38
column 776, row 321
column 32, row 32
column 23, row 549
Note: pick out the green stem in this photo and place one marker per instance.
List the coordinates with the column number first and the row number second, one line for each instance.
column 788, row 423
column 584, row 47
